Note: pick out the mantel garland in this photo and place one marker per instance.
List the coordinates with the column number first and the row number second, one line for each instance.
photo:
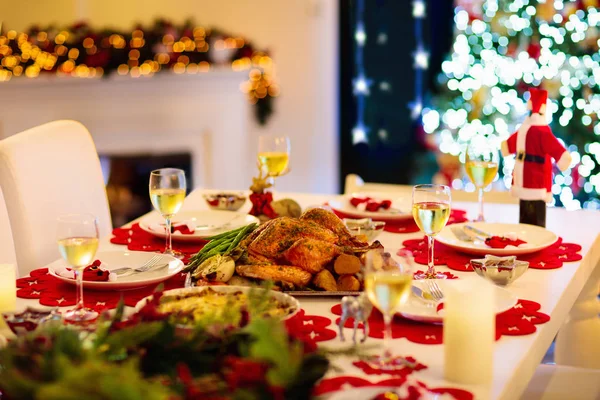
column 83, row 52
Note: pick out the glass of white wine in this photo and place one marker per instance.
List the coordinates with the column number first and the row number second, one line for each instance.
column 77, row 237
column 431, row 210
column 481, row 164
column 388, row 286
column 167, row 192
column 274, row 155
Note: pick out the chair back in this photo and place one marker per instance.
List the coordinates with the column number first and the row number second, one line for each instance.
column 47, row 171
column 7, row 246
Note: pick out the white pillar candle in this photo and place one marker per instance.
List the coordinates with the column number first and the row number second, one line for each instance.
column 469, row 331
column 8, row 291
column 8, row 288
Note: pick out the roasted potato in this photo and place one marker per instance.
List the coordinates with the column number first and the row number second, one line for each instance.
column 275, row 273
column 325, row 281
column 346, row 264
column 348, row 283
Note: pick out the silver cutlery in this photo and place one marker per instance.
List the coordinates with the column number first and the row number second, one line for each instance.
column 477, row 233
column 215, row 227
column 434, row 289
column 461, row 234
column 148, row 265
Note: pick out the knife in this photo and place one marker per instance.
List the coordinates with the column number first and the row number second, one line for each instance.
column 477, row 233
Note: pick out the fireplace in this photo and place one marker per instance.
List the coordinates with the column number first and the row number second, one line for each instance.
column 205, row 116
column 126, row 178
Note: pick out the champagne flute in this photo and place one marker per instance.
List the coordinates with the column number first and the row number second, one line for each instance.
column 167, row 192
column 77, row 237
column 388, row 286
column 274, row 155
column 481, row 164
column 431, row 210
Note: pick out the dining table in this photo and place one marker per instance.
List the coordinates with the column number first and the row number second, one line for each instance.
column 568, row 295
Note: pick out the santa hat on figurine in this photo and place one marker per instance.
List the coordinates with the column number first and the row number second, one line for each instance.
column 537, row 100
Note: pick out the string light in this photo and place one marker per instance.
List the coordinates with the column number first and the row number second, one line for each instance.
column 495, row 52
column 361, row 84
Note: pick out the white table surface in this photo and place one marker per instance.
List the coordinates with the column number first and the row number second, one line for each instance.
column 515, row 358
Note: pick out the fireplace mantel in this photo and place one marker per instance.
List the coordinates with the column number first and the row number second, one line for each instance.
column 205, row 114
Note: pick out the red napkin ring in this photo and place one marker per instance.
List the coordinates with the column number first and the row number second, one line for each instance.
column 500, row 242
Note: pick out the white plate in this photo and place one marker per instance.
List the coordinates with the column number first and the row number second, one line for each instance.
column 426, row 311
column 537, row 238
column 400, row 202
column 279, row 296
column 118, row 259
column 228, row 220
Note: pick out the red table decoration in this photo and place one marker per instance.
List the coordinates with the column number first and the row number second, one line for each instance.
column 449, row 275
column 52, row 292
column 402, row 371
column 330, row 385
column 550, row 258
column 518, row 321
column 409, row 225
column 310, row 328
column 137, row 239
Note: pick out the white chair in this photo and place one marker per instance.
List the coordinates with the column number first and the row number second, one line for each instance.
column 355, row 184
column 46, row 171
column 7, row 247
column 558, row 382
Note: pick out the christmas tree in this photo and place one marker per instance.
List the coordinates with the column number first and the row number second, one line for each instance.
column 501, row 48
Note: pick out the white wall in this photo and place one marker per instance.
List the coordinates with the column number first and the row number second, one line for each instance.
column 301, row 36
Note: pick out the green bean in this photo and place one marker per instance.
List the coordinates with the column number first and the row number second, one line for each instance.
column 247, row 229
column 230, row 233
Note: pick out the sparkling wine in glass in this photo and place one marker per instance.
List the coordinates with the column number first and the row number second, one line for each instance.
column 431, row 210
column 167, row 192
column 481, row 164
column 388, row 286
column 274, row 155
column 77, row 237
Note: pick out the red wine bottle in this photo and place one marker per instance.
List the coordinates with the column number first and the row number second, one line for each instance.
column 532, row 212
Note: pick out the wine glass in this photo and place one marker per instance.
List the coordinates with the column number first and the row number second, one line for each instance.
column 431, row 210
column 388, row 286
column 77, row 237
column 274, row 154
column 481, row 164
column 167, row 192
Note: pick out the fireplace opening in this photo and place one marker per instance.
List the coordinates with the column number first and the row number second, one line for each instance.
column 127, row 176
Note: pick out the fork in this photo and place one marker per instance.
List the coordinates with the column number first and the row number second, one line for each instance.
column 151, row 263
column 434, row 289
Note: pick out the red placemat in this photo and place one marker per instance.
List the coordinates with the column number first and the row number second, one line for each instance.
column 310, row 328
column 330, row 385
column 137, row 239
column 409, row 225
column 550, row 258
column 52, row 292
column 518, row 321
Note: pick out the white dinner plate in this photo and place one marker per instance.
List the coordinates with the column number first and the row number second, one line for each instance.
column 282, row 298
column 421, row 310
column 119, row 259
column 401, row 205
column 537, row 238
column 209, row 223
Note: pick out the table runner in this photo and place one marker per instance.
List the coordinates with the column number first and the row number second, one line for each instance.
column 409, row 225
column 518, row 321
column 330, row 385
column 550, row 258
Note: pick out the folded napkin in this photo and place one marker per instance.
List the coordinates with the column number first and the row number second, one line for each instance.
column 370, row 204
column 187, row 227
column 92, row 273
column 501, row 242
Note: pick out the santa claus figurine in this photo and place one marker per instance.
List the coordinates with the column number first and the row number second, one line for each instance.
column 535, row 146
